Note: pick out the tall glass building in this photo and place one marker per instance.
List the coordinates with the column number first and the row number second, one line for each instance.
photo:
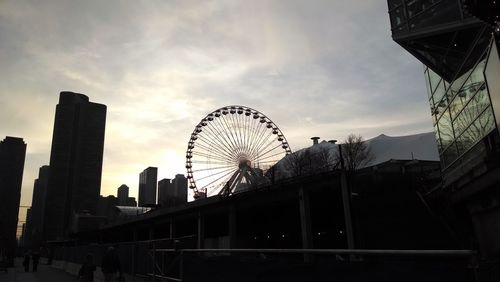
column 457, row 41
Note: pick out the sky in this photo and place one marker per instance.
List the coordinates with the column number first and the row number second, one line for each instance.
column 315, row 68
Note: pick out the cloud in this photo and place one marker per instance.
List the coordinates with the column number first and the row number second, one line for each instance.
column 324, row 68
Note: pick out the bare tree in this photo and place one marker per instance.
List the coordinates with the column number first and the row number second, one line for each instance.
column 355, row 152
column 310, row 161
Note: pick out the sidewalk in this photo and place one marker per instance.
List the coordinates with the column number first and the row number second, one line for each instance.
column 45, row 273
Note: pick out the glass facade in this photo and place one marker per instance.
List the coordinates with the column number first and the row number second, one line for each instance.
column 461, row 110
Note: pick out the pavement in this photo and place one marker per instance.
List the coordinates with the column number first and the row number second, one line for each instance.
column 45, row 273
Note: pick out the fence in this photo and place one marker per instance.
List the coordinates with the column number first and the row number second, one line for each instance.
column 169, row 260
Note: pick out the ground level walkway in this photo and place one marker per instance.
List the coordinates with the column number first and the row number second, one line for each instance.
column 45, row 273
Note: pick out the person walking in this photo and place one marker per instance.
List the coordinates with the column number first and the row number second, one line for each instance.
column 86, row 273
column 35, row 257
column 26, row 262
column 111, row 265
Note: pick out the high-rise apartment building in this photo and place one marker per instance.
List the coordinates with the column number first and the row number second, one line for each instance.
column 172, row 192
column 34, row 223
column 458, row 43
column 122, row 195
column 180, row 186
column 164, row 186
column 147, row 186
column 12, row 156
column 75, row 162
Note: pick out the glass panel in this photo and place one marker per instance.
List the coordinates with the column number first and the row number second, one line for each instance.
column 427, row 83
column 438, row 139
column 441, row 13
column 397, row 16
column 468, row 89
column 414, row 7
column 445, row 129
column 477, row 130
column 472, row 110
column 438, row 95
column 434, row 79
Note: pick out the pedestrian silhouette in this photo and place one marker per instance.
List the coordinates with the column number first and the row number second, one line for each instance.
column 26, row 262
column 35, row 256
column 111, row 266
column 86, row 273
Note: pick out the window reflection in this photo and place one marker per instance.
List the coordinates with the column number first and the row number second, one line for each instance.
column 439, row 94
column 445, row 129
column 483, row 125
column 472, row 110
column 461, row 111
column 434, row 79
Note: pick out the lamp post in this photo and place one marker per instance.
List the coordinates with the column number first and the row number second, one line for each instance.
column 346, row 199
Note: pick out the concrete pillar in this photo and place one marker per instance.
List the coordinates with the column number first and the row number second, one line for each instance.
column 305, row 222
column 201, row 230
column 346, row 202
column 232, row 226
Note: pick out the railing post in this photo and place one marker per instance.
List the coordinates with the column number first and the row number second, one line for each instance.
column 305, row 223
column 181, row 265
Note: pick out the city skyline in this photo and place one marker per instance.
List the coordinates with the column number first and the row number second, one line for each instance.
column 169, row 64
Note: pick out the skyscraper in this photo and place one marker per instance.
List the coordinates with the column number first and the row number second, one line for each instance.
column 123, row 195
column 179, row 184
column 12, row 156
column 75, row 162
column 147, row 186
column 164, row 187
column 34, row 224
column 458, row 43
column 172, row 192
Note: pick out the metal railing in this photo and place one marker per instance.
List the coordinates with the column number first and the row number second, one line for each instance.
column 354, row 255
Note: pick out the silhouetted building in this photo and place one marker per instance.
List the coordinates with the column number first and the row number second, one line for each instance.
column 147, row 186
column 123, row 195
column 462, row 70
column 180, row 187
column 172, row 192
column 131, row 202
column 105, row 205
column 34, row 223
column 164, row 186
column 12, row 155
column 75, row 162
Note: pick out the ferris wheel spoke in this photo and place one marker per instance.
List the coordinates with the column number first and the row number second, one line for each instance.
column 225, row 175
column 236, row 129
column 211, row 151
column 245, row 131
column 216, row 134
column 269, row 143
column 218, row 123
column 256, row 128
column 214, row 145
column 261, row 157
column 231, row 135
column 256, row 150
column 214, row 168
column 201, row 154
column 260, row 133
column 211, row 162
column 214, row 174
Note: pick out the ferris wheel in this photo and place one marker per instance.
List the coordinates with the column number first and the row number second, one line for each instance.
column 231, row 150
